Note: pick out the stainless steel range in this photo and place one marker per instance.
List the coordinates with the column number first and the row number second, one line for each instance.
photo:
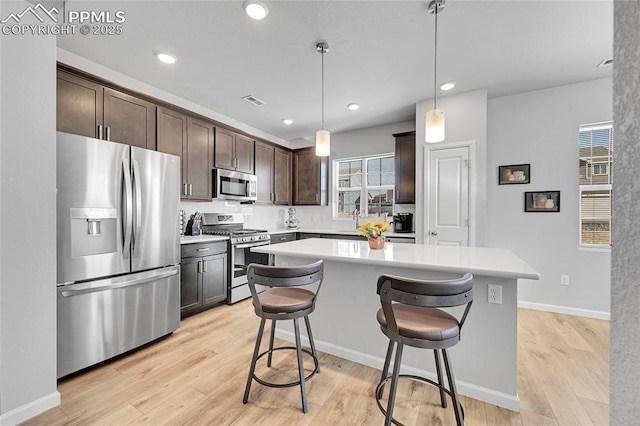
column 242, row 240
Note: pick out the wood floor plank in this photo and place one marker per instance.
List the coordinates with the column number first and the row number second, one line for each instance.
column 53, row 417
column 197, row 377
column 598, row 411
column 533, row 419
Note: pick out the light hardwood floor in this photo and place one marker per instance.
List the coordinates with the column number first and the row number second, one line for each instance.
column 197, row 376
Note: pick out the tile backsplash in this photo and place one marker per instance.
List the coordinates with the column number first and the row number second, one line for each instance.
column 274, row 217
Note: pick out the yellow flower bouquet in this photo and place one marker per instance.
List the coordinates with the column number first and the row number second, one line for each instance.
column 374, row 229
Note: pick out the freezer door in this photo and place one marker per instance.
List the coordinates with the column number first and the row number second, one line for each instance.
column 100, row 319
column 91, row 237
column 156, row 189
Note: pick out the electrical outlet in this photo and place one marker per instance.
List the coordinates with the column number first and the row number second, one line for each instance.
column 494, row 293
column 564, row 279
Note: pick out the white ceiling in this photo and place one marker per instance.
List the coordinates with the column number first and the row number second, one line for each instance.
column 380, row 54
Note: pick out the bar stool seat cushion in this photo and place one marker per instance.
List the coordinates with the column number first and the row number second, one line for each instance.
column 286, row 299
column 423, row 323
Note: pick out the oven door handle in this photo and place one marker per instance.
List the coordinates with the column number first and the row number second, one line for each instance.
column 249, row 245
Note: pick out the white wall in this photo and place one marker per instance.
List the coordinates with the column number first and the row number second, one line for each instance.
column 27, row 224
column 465, row 120
column 541, row 128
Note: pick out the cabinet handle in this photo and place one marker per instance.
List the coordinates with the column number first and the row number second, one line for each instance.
column 283, row 238
column 204, row 266
column 272, row 197
column 236, row 161
column 199, row 266
column 108, row 133
column 204, row 249
column 316, row 197
column 99, row 131
column 190, row 189
column 184, row 189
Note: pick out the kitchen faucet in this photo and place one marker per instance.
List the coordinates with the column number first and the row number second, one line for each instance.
column 356, row 217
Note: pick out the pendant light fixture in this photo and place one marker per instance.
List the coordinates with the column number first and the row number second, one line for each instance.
column 323, row 137
column 434, row 119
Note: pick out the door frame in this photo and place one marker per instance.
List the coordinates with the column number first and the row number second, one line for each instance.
column 473, row 179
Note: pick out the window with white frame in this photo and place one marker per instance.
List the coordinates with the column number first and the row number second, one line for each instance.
column 364, row 185
column 595, row 179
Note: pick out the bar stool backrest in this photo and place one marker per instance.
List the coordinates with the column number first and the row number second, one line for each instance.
column 283, row 276
column 425, row 293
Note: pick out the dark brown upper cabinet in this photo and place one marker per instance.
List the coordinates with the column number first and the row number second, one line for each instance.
column 233, row 151
column 405, row 168
column 282, row 177
column 129, row 120
column 78, row 105
column 273, row 169
column 310, row 178
column 265, row 167
column 192, row 140
column 89, row 109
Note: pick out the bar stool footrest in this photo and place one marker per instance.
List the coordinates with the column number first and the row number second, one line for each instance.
column 287, row 385
column 380, row 391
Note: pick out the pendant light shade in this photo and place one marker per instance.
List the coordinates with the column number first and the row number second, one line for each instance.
column 323, row 143
column 323, row 137
column 434, row 119
column 434, row 129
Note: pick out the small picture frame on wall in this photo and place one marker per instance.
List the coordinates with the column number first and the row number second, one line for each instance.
column 542, row 201
column 514, row 174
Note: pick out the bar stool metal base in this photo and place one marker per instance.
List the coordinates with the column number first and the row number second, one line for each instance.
column 316, row 368
column 380, row 391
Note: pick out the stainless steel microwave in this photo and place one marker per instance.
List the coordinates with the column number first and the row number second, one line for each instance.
column 230, row 185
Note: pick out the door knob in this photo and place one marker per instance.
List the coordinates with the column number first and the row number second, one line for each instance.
column 434, row 233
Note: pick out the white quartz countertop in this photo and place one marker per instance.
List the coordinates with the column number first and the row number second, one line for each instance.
column 337, row 232
column 192, row 239
column 477, row 260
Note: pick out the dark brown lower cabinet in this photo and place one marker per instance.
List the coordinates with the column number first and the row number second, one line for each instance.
column 204, row 276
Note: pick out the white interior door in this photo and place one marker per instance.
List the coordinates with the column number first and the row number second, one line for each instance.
column 448, row 199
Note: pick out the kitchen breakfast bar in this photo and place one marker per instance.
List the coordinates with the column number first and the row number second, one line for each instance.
column 344, row 322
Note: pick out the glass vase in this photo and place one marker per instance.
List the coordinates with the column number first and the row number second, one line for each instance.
column 376, row 243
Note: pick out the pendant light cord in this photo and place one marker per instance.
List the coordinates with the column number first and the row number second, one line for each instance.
column 435, row 57
column 323, row 50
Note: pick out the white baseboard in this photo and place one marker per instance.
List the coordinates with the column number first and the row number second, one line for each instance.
column 565, row 310
column 490, row 396
column 31, row 409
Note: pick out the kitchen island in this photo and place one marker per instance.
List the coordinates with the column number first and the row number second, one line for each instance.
column 344, row 323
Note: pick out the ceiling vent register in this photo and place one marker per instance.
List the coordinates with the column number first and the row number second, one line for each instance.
column 252, row 99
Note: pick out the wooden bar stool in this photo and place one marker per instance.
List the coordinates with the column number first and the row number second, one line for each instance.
column 283, row 300
column 409, row 316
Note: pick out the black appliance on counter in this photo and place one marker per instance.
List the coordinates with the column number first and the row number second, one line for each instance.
column 403, row 222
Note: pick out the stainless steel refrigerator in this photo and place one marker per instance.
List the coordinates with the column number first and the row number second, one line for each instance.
column 118, row 249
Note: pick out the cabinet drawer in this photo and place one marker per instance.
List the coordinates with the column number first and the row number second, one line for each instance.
column 283, row 238
column 407, row 240
column 203, row 249
column 305, row 235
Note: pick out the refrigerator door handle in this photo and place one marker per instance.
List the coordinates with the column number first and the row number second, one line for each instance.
column 137, row 205
column 128, row 208
column 113, row 283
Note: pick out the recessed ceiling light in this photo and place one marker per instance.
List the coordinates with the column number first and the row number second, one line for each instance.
column 353, row 106
column 287, row 121
column 448, row 86
column 255, row 9
column 167, row 58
